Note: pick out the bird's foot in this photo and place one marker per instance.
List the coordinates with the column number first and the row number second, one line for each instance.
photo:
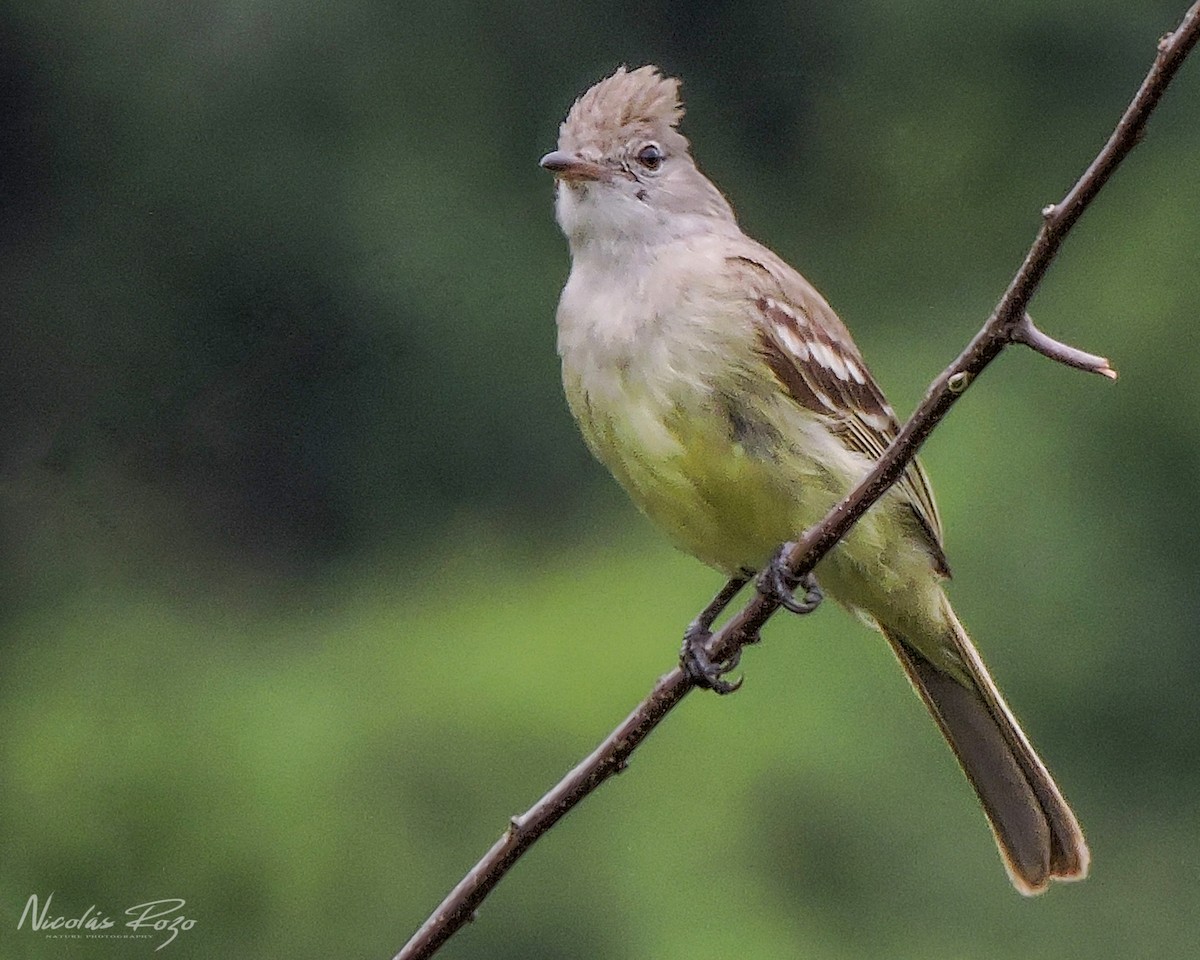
column 777, row 582
column 702, row 668
column 694, row 658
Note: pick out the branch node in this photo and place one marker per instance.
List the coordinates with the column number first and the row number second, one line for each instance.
column 1025, row 332
column 958, row 382
column 1049, row 210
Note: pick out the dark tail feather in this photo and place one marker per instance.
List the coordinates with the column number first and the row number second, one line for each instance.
column 1038, row 835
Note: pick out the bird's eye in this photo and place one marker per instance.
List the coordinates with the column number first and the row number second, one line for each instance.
column 650, row 156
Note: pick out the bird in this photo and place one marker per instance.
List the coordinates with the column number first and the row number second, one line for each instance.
column 725, row 395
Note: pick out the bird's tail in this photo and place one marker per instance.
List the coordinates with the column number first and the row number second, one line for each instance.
column 1038, row 835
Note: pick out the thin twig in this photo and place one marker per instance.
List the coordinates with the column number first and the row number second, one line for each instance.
column 1025, row 332
column 1008, row 324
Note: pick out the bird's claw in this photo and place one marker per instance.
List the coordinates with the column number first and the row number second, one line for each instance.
column 776, row 582
column 704, row 671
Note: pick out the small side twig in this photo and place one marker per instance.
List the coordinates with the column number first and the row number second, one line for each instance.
column 1025, row 332
column 1008, row 324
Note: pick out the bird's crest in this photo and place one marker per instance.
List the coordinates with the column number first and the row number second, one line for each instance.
column 629, row 104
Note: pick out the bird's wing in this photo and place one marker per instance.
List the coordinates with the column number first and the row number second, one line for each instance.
column 814, row 357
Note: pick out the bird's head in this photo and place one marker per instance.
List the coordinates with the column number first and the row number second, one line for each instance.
column 625, row 173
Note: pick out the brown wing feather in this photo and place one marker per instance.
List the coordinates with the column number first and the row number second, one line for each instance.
column 813, row 355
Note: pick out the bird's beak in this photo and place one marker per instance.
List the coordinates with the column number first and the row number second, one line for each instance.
column 565, row 166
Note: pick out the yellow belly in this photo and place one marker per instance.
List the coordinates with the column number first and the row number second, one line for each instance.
column 731, row 502
column 726, row 501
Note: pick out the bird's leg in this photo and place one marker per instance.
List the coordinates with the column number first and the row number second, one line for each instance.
column 777, row 582
column 694, row 659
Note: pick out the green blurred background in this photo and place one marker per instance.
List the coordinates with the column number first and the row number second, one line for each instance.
column 308, row 584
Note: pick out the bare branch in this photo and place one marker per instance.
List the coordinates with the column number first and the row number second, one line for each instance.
column 1008, row 324
column 1025, row 332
